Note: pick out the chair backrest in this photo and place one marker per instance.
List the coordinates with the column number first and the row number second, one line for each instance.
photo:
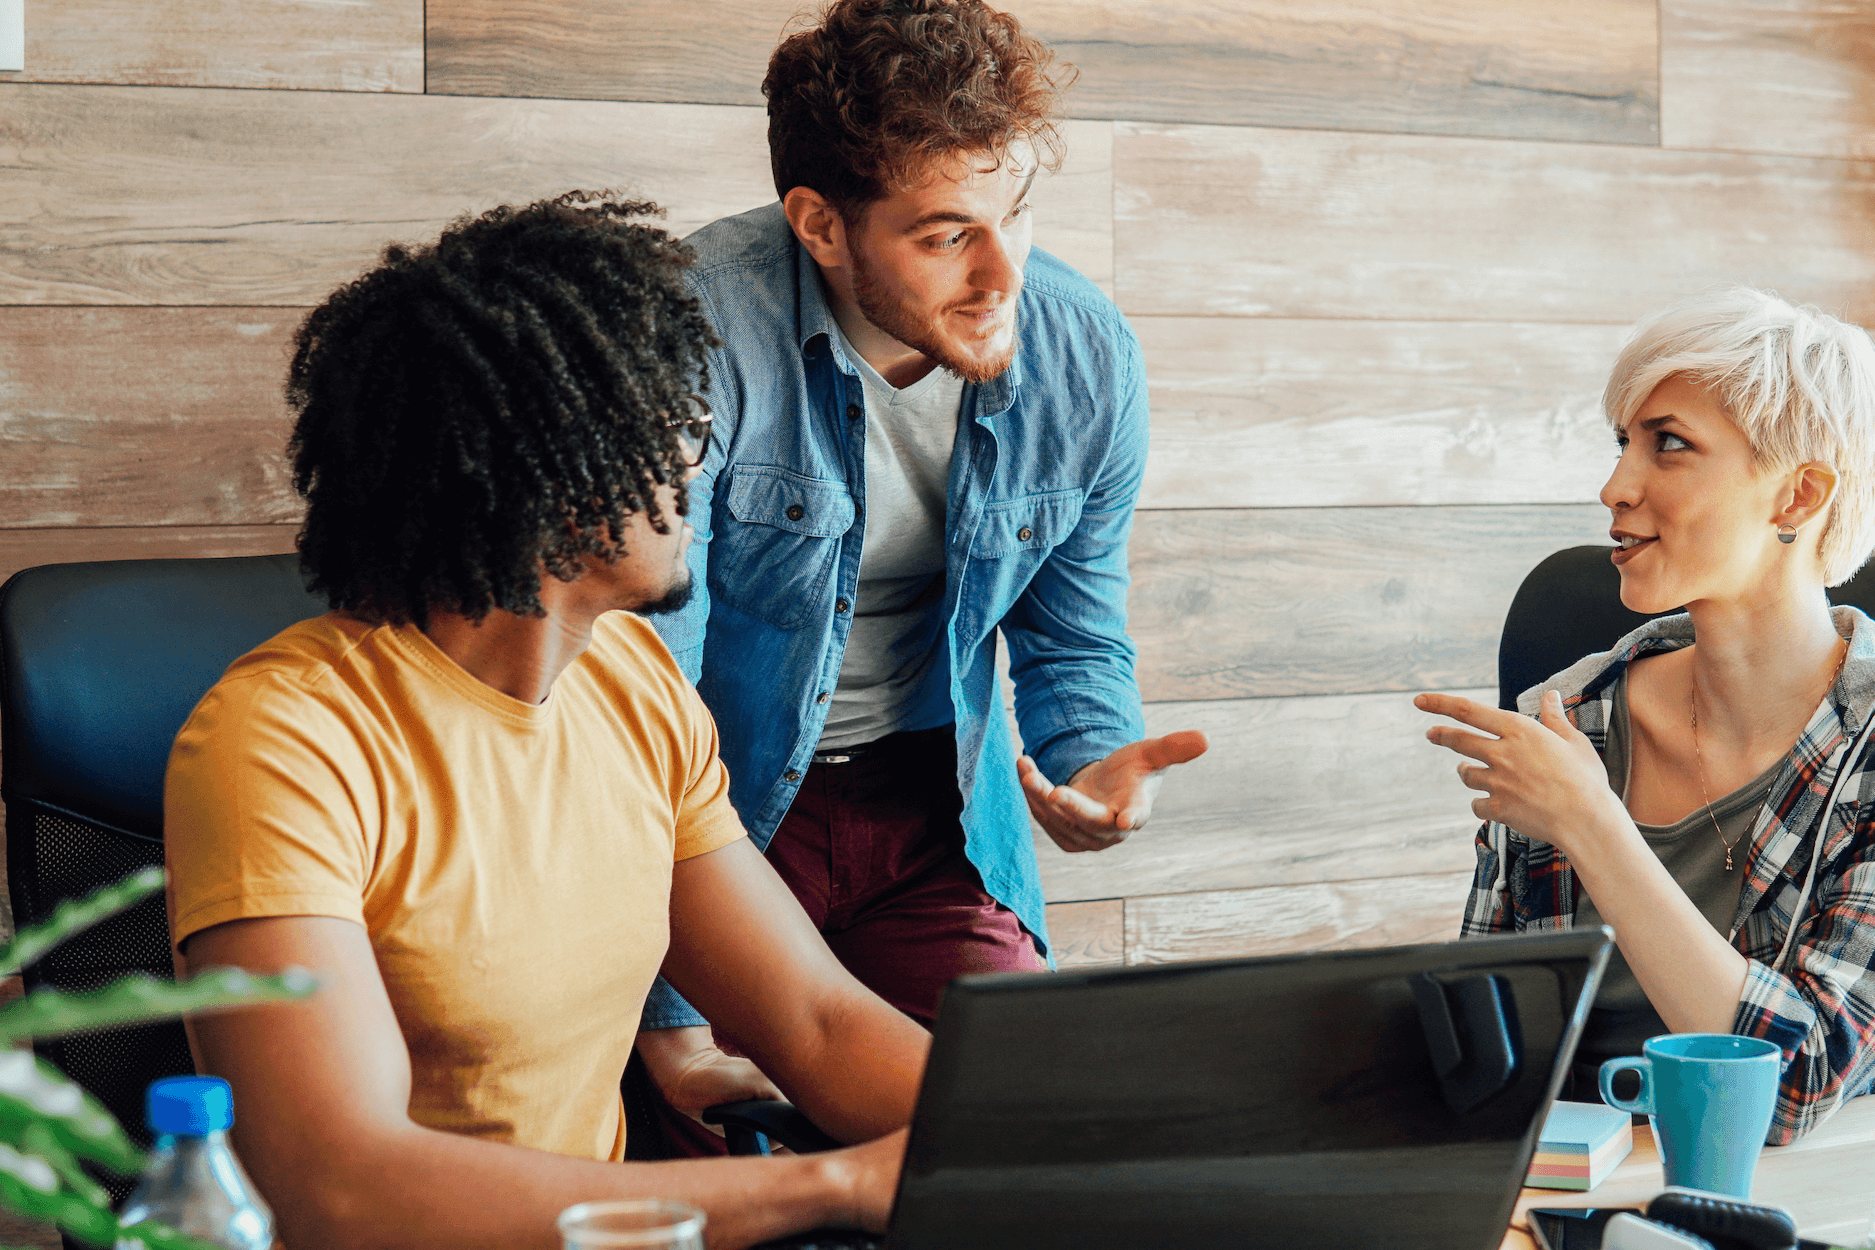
column 100, row 664
column 1570, row 606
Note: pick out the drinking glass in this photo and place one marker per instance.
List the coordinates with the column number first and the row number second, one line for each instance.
column 641, row 1222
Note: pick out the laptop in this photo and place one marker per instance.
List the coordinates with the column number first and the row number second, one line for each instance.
column 1371, row 1098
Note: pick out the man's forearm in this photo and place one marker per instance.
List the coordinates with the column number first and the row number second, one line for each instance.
column 744, row 952
column 860, row 1079
column 412, row 1188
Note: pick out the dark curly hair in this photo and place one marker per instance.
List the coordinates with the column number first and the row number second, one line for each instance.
column 472, row 411
column 863, row 103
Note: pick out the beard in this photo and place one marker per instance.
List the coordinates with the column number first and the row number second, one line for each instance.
column 675, row 596
column 894, row 315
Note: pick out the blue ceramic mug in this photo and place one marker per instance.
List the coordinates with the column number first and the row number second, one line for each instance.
column 1711, row 1096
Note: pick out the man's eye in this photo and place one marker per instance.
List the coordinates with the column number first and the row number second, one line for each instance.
column 949, row 242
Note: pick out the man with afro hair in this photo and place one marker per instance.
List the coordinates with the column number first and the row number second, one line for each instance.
column 929, row 435
column 478, row 799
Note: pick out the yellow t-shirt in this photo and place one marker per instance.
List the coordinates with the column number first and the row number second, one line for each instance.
column 511, row 862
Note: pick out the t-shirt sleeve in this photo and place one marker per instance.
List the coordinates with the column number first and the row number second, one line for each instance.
column 268, row 808
column 705, row 818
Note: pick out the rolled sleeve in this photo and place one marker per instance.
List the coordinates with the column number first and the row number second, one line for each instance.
column 665, row 1008
column 1822, row 1016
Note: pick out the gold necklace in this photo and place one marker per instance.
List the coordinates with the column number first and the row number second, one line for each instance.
column 1692, row 703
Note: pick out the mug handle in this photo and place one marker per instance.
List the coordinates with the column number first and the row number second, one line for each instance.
column 1643, row 1103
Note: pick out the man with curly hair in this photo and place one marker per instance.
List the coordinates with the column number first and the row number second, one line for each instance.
column 479, row 800
column 928, row 433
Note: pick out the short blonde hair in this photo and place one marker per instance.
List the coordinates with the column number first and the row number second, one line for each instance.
column 1798, row 383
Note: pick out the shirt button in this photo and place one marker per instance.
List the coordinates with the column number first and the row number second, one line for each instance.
column 1024, row 534
column 822, row 697
column 854, row 412
column 790, row 775
column 841, row 605
column 796, row 512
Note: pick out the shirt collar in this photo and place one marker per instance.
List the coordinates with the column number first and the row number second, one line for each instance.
column 1591, row 676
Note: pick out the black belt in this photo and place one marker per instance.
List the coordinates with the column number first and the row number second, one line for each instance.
column 905, row 739
column 848, row 755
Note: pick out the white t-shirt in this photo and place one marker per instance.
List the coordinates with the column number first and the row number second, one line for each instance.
column 909, row 437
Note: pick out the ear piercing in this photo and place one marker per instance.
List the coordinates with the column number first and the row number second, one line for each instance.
column 1786, row 534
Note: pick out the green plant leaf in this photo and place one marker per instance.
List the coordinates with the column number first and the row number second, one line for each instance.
column 38, row 1141
column 31, row 1187
column 32, row 1091
column 47, row 1123
column 137, row 998
column 76, row 915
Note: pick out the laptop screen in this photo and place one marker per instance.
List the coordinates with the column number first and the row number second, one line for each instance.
column 1354, row 1098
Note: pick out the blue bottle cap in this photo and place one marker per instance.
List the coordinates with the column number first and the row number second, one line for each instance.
column 189, row 1106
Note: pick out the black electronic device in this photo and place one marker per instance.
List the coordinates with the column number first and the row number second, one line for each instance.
column 1581, row 1228
column 1351, row 1100
column 1728, row 1223
column 1563, row 1228
column 1368, row 1098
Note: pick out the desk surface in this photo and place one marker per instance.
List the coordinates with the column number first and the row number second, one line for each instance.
column 1827, row 1180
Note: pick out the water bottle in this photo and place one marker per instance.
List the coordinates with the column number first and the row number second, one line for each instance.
column 194, row 1184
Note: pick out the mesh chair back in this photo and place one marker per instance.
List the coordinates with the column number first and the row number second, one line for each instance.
column 100, row 664
column 1570, row 606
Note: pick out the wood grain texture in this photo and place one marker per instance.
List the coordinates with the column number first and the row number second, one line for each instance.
column 1578, row 69
column 1088, row 935
column 1074, row 205
column 20, row 1233
column 134, row 195
column 705, row 51
column 1242, row 221
column 1292, row 792
column 1532, row 69
column 27, row 548
column 1794, row 76
column 1232, row 603
column 1223, row 924
column 339, row 45
column 144, row 416
column 1271, row 412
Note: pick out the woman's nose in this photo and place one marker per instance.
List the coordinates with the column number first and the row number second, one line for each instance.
column 1622, row 489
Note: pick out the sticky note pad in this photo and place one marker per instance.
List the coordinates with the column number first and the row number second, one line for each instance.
column 1580, row 1145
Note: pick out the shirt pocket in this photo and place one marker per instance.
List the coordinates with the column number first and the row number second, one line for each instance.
column 1028, row 528
column 776, row 542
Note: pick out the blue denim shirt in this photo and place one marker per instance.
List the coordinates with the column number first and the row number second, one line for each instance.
column 1039, row 504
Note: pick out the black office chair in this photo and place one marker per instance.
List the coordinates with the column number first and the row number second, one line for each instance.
column 1570, row 606
column 100, row 664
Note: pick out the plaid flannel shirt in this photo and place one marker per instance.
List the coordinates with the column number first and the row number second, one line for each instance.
column 1818, row 1004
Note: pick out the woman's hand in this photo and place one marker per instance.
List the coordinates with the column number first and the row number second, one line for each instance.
column 1541, row 777
column 692, row 1073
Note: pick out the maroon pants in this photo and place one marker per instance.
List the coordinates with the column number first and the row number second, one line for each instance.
column 874, row 850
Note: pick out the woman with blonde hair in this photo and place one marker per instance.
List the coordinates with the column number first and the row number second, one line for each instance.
column 1707, row 786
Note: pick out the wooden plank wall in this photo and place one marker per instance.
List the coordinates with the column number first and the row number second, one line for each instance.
column 1380, row 253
